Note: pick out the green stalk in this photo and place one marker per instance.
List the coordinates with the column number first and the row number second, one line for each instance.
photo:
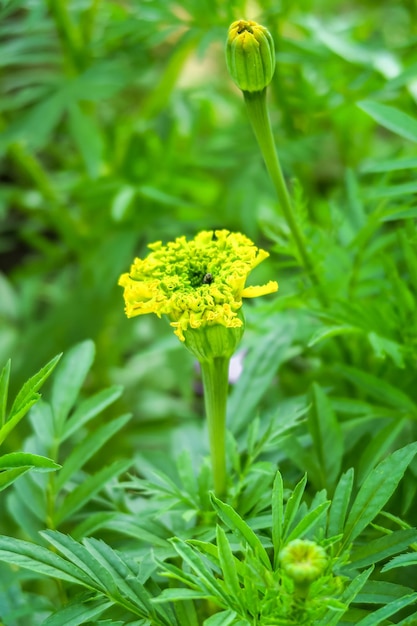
column 258, row 115
column 215, row 375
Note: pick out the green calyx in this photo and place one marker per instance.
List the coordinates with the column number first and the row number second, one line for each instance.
column 304, row 561
column 211, row 342
column 250, row 55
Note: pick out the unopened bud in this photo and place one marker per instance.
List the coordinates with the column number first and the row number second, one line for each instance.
column 304, row 561
column 250, row 55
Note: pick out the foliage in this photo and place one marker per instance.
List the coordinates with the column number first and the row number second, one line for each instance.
column 120, row 127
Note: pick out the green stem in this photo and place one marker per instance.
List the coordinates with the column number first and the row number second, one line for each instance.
column 258, row 114
column 215, row 380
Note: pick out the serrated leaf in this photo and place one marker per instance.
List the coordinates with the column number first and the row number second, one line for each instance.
column 224, row 618
column 381, row 592
column 174, row 595
column 403, row 560
column 376, row 490
column 238, row 526
column 88, row 489
column 88, row 447
column 391, row 118
column 378, row 616
column 382, row 548
column 348, row 596
column 380, row 444
column 69, row 379
column 31, row 386
column 24, row 459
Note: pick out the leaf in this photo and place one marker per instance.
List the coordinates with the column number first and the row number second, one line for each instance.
column 227, row 563
column 379, row 446
column 87, row 138
column 308, row 521
column 88, row 447
column 40, row 560
column 326, row 435
column 4, row 388
column 9, row 476
column 69, row 379
column 403, row 560
column 174, row 595
column 340, row 503
column 277, row 515
column 260, row 368
column 349, row 594
column 26, row 397
column 238, row 526
column 386, row 393
column 89, row 488
column 292, row 506
column 90, row 408
column 24, row 459
column 78, row 612
column 224, row 618
column 391, row 118
column 378, row 616
column 376, row 490
column 381, row 592
column 382, row 548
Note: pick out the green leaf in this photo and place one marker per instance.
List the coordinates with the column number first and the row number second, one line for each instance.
column 381, row 592
column 88, row 139
column 292, row 506
column 27, row 397
column 391, row 118
column 238, row 526
column 90, row 408
column 78, row 612
column 174, row 595
column 89, row 488
column 381, row 614
column 40, row 560
column 379, row 446
column 29, row 389
column 260, row 368
column 277, row 515
column 228, row 565
column 382, row 548
column 224, row 618
column 327, row 437
column 88, row 447
column 386, row 393
column 69, row 379
column 348, row 596
column 308, row 521
column 376, row 490
column 4, row 389
column 24, row 459
column 340, row 503
column 9, row 476
column 403, row 560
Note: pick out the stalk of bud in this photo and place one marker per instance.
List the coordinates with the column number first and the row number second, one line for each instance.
column 250, row 55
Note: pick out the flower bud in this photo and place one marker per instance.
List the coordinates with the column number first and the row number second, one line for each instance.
column 304, row 561
column 250, row 55
column 214, row 341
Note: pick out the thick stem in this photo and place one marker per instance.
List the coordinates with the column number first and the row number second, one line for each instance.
column 215, row 380
column 259, row 118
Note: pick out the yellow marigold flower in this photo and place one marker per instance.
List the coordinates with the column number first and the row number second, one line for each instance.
column 196, row 283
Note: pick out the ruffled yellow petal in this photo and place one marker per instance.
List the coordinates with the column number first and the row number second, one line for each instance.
column 260, row 290
column 195, row 283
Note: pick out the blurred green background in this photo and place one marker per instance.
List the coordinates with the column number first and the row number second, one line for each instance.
column 120, row 126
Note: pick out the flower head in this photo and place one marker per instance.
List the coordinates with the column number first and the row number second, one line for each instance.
column 304, row 561
column 196, row 283
column 250, row 55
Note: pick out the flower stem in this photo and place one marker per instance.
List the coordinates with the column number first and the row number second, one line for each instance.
column 215, row 380
column 258, row 115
